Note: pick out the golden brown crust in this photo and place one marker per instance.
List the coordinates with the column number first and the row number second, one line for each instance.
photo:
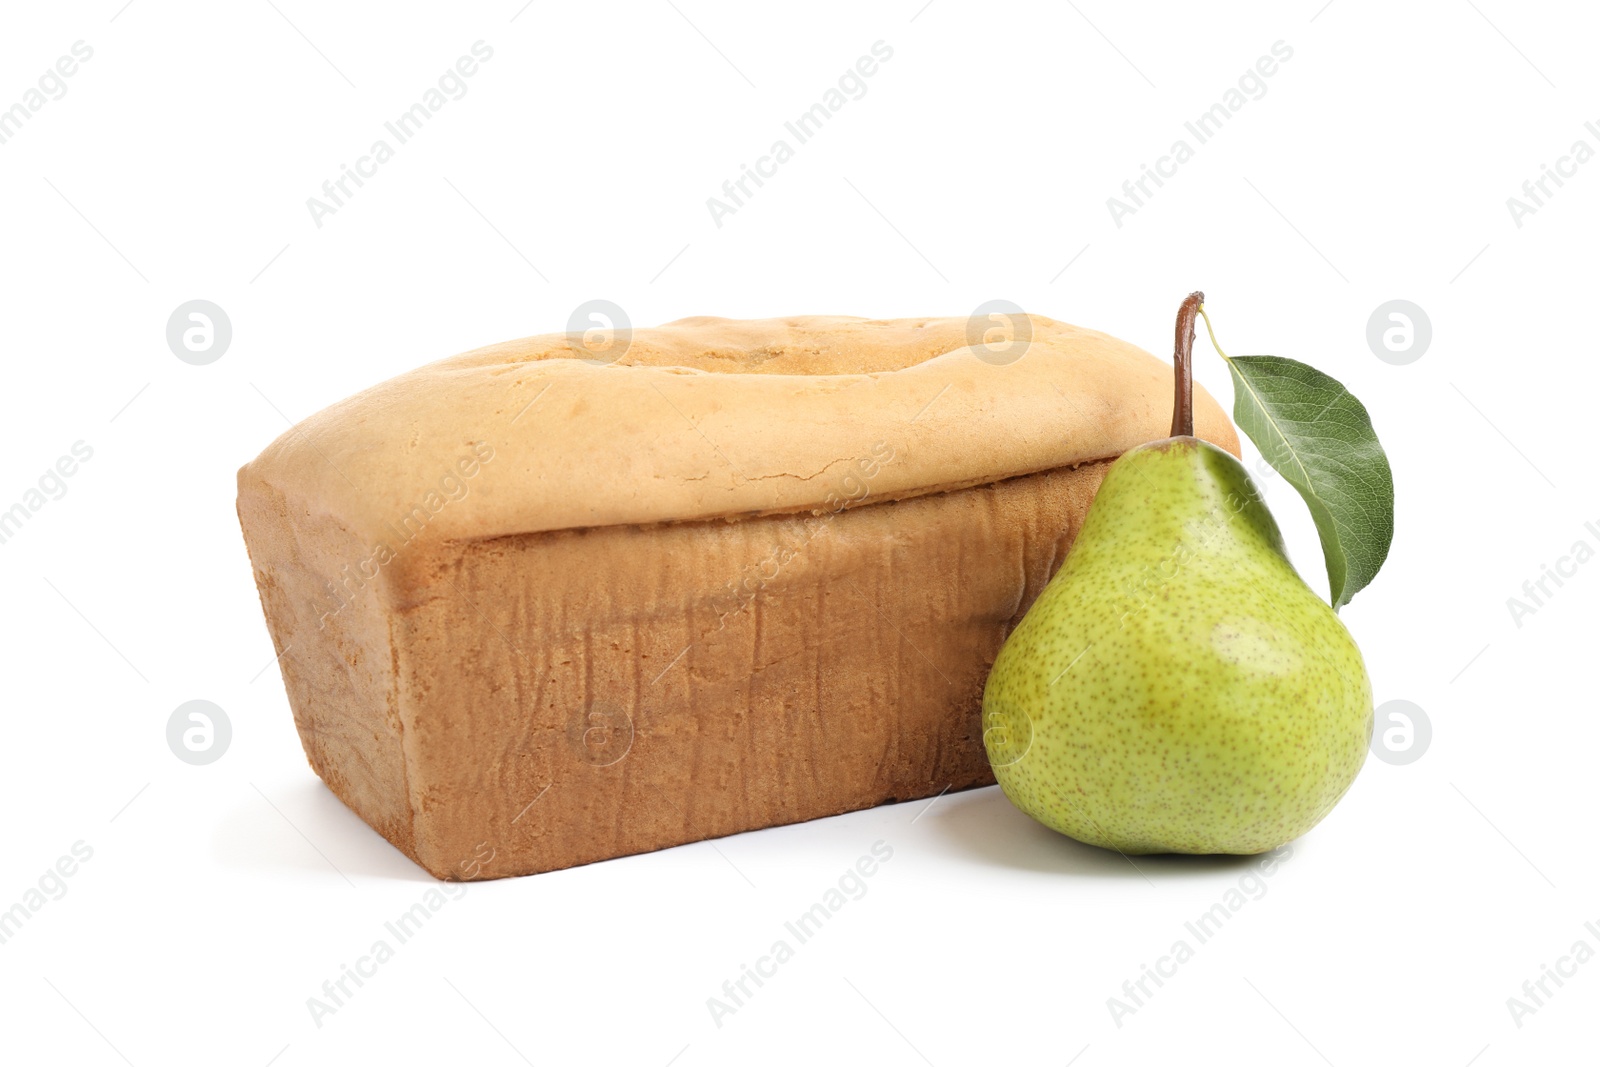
column 707, row 418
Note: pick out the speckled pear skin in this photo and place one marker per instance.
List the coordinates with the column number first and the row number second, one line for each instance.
column 1177, row 687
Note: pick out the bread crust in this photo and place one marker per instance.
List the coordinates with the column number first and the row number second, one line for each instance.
column 716, row 418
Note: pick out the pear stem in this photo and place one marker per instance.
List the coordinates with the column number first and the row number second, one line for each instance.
column 1182, row 369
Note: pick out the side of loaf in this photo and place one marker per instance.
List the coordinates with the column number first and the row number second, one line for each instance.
column 534, row 611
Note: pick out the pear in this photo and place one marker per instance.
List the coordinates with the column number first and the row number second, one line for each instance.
column 1177, row 687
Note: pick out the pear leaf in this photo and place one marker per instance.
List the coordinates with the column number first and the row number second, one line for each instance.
column 1319, row 437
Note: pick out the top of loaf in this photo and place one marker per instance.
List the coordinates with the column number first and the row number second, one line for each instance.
column 708, row 418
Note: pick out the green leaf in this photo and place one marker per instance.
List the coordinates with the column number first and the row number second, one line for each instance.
column 1319, row 437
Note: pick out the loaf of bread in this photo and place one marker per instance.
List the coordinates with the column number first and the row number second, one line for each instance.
column 536, row 609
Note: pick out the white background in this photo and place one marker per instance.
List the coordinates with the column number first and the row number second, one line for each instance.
column 977, row 166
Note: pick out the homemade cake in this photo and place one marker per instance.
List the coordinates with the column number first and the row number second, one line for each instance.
column 539, row 605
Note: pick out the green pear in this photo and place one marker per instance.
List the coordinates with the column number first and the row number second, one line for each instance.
column 1177, row 687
